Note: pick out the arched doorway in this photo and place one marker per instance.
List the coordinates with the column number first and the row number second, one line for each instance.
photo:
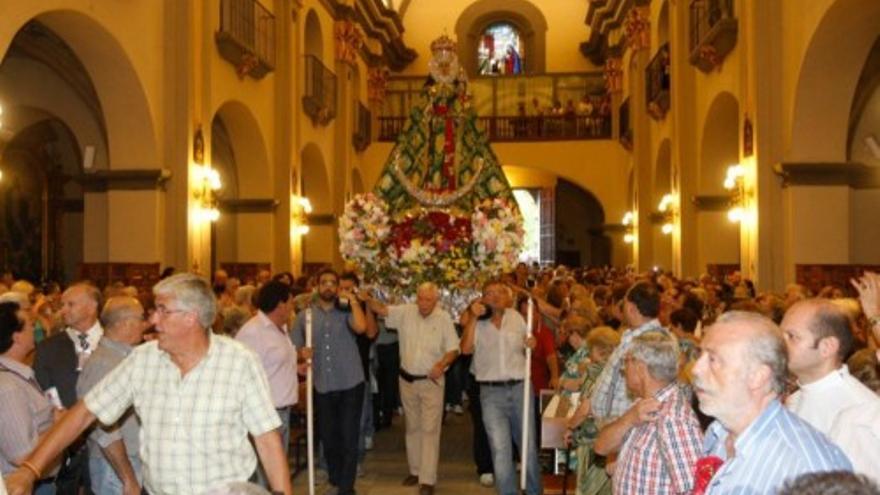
column 314, row 42
column 580, row 240
column 662, row 245
column 718, row 238
column 319, row 245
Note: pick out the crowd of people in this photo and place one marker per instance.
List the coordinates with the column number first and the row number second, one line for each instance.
column 676, row 385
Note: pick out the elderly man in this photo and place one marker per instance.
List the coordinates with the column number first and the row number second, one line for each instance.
column 428, row 345
column 338, row 376
column 114, row 464
column 641, row 306
column 266, row 334
column 198, row 395
column 496, row 335
column 658, row 438
column 738, row 379
column 26, row 413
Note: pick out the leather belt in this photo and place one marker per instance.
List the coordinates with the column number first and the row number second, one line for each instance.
column 411, row 378
column 500, row 383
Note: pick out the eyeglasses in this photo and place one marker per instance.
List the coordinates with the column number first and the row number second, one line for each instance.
column 162, row 311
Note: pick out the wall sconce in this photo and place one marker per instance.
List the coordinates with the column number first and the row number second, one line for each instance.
column 300, row 208
column 666, row 215
column 207, row 183
column 627, row 222
column 734, row 182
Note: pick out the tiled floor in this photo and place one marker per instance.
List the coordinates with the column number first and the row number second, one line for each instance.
column 385, row 465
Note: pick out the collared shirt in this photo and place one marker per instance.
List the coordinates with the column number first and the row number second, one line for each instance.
column 820, row 402
column 499, row 353
column 195, row 427
column 609, row 397
column 777, row 446
column 25, row 411
column 423, row 339
column 93, row 337
column 106, row 357
column 277, row 353
column 658, row 456
column 336, row 360
column 857, row 432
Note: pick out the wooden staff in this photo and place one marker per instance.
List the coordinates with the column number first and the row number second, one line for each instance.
column 310, row 408
column 526, row 412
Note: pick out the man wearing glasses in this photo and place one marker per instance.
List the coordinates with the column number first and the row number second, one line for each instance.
column 337, row 318
column 198, row 396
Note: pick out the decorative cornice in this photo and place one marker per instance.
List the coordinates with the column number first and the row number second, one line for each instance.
column 321, row 219
column 379, row 23
column 605, row 19
column 852, row 174
column 707, row 202
column 124, row 180
column 252, row 205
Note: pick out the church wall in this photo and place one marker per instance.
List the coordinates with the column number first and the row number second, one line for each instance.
column 864, row 227
column 134, row 226
column 818, row 220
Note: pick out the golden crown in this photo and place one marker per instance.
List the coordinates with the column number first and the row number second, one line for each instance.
column 443, row 43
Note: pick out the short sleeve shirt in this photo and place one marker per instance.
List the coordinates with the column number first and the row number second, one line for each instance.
column 336, row 360
column 423, row 339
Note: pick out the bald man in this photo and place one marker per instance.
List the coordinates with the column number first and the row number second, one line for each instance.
column 428, row 346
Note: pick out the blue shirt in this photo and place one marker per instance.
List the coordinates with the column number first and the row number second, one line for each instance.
column 336, row 361
column 778, row 446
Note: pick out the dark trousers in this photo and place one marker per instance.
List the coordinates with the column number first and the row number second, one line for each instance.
column 338, row 416
column 455, row 377
column 387, row 375
column 74, row 473
column 482, row 453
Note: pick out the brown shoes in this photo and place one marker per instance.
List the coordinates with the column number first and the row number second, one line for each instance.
column 410, row 480
column 426, row 489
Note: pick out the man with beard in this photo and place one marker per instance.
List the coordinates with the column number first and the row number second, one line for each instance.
column 338, row 375
column 739, row 379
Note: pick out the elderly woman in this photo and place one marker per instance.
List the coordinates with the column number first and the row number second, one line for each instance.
column 576, row 329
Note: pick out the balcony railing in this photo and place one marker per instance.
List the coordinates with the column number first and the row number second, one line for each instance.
column 713, row 32
column 361, row 136
column 247, row 37
column 319, row 97
column 625, row 129
column 658, row 83
column 504, row 128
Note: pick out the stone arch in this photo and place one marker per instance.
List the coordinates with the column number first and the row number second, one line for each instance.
column 357, row 182
column 130, row 129
column 252, row 175
column 522, row 14
column 663, row 24
column 827, row 80
column 579, row 220
column 718, row 238
column 314, row 41
column 662, row 245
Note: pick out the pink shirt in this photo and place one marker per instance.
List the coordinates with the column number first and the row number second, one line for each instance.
column 277, row 354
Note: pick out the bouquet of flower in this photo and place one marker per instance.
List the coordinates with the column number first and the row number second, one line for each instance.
column 363, row 228
column 498, row 236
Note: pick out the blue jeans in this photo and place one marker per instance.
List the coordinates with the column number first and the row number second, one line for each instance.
column 284, row 431
column 502, row 415
column 367, row 428
column 104, row 478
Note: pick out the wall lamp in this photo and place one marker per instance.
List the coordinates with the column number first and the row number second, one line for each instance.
column 300, row 208
column 666, row 210
column 208, row 183
column 735, row 183
column 628, row 237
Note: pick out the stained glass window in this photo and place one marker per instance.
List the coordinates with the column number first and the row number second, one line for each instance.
column 500, row 51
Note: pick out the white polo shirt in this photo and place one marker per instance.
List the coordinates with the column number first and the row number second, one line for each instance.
column 423, row 339
column 499, row 353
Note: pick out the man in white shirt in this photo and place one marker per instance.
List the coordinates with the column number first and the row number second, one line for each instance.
column 498, row 341
column 428, row 345
column 266, row 334
column 818, row 340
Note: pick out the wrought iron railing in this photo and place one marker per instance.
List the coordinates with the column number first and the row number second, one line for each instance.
column 319, row 95
column 658, row 83
column 713, row 32
column 625, row 127
column 247, row 36
column 505, row 128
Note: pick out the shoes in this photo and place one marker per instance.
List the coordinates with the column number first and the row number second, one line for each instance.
column 368, row 443
column 426, row 489
column 321, row 476
column 400, row 411
column 458, row 409
column 332, row 490
column 487, row 479
column 448, row 408
column 410, row 481
column 360, row 471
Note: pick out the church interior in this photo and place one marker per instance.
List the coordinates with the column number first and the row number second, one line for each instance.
column 734, row 139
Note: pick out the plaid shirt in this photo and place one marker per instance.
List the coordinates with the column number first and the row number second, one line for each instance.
column 658, row 457
column 609, row 398
column 194, row 428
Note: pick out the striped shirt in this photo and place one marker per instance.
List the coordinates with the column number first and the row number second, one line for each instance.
column 194, row 433
column 609, row 398
column 658, row 456
column 776, row 447
column 25, row 411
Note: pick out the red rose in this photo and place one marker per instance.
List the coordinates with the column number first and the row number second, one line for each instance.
column 703, row 473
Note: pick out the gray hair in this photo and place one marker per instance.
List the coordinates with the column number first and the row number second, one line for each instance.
column 192, row 293
column 118, row 309
column 244, row 295
column 90, row 291
column 430, row 287
column 766, row 347
column 659, row 352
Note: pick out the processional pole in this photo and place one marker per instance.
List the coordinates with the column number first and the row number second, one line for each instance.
column 526, row 411
column 310, row 407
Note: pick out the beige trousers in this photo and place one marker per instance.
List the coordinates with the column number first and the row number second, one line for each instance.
column 423, row 412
